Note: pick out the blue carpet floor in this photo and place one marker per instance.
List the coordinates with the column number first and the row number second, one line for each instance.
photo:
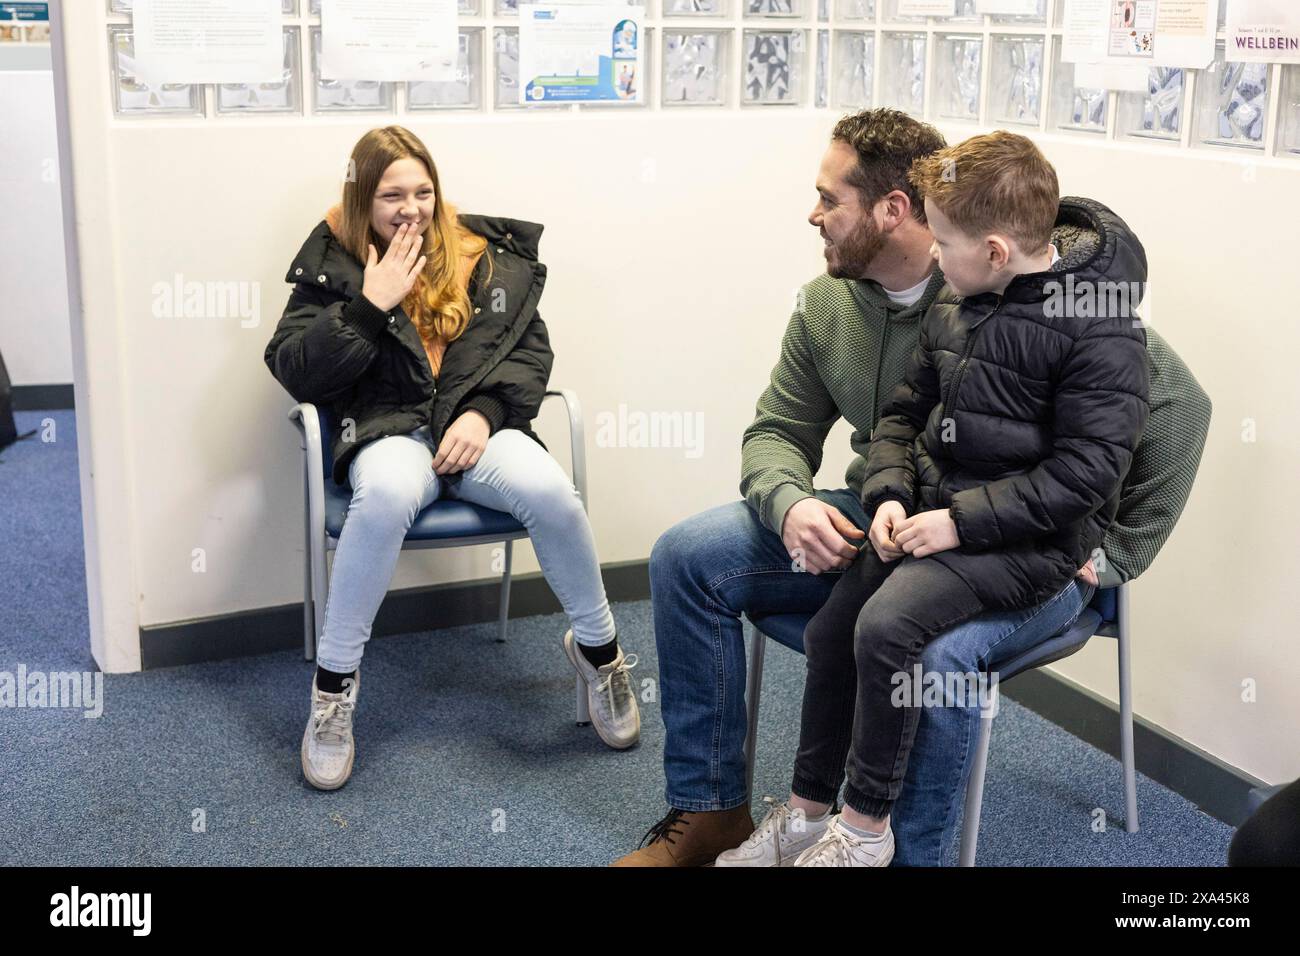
column 466, row 749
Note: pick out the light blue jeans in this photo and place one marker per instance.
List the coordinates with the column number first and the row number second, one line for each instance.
column 393, row 480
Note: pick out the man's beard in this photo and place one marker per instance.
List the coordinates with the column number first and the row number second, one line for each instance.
column 855, row 254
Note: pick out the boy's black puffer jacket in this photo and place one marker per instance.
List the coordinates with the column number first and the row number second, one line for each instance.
column 1020, row 415
column 335, row 348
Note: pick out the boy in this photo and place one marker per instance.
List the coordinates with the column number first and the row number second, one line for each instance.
column 991, row 476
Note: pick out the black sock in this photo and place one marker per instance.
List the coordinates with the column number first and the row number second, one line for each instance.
column 331, row 682
column 600, row 654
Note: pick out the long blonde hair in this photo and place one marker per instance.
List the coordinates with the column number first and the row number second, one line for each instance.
column 438, row 304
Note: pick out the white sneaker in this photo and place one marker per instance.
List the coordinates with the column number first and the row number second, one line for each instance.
column 781, row 836
column 839, row 847
column 327, row 748
column 614, row 712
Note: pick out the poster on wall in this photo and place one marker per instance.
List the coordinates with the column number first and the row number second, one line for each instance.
column 389, row 40
column 24, row 12
column 1265, row 31
column 1132, row 28
column 1174, row 33
column 208, row 41
column 581, row 53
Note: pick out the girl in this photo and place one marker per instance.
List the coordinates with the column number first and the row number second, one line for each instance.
column 419, row 327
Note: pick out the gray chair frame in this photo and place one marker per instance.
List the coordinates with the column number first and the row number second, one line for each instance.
column 318, row 542
column 975, row 783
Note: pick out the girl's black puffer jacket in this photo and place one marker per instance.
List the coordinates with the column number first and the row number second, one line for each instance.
column 336, row 349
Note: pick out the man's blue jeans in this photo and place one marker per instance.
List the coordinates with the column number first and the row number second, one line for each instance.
column 709, row 569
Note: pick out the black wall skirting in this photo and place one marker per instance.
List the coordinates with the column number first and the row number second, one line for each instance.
column 28, row 398
column 1220, row 790
column 403, row 612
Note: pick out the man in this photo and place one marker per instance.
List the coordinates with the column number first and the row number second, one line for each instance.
column 783, row 548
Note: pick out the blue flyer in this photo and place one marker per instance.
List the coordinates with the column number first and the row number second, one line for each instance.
column 581, row 53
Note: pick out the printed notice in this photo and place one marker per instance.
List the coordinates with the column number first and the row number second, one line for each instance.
column 1173, row 33
column 389, row 40
column 208, row 41
column 1084, row 37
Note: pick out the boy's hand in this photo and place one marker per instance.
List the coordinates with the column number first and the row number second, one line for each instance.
column 1088, row 573
column 926, row 533
column 890, row 516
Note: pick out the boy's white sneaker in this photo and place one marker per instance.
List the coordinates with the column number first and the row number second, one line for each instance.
column 610, row 700
column 778, row 840
column 839, row 847
column 327, row 747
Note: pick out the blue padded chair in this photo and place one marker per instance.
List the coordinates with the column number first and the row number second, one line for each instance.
column 1106, row 616
column 446, row 523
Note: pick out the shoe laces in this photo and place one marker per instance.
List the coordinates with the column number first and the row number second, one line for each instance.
column 665, row 828
column 775, row 822
column 334, row 719
column 834, row 848
column 617, row 677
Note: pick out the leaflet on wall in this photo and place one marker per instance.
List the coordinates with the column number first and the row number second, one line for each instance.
column 927, row 8
column 389, row 40
column 581, row 53
column 1155, row 32
column 1083, row 39
column 1132, row 28
column 208, row 41
column 1263, row 31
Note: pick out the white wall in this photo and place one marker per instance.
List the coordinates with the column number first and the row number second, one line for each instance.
column 673, row 260
column 34, row 331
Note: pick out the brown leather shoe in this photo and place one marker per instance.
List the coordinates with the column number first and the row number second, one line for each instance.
column 683, row 838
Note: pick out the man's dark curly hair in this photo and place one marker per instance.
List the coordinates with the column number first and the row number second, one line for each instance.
column 887, row 143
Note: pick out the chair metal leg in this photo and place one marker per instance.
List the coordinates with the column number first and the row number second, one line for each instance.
column 320, row 584
column 582, row 706
column 1126, row 718
column 970, row 828
column 308, row 615
column 753, row 688
column 504, row 612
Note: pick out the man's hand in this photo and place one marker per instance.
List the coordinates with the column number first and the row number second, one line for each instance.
column 814, row 532
column 462, row 443
column 1088, row 572
column 889, row 516
column 926, row 533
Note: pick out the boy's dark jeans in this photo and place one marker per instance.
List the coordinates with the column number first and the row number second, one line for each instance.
column 873, row 626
